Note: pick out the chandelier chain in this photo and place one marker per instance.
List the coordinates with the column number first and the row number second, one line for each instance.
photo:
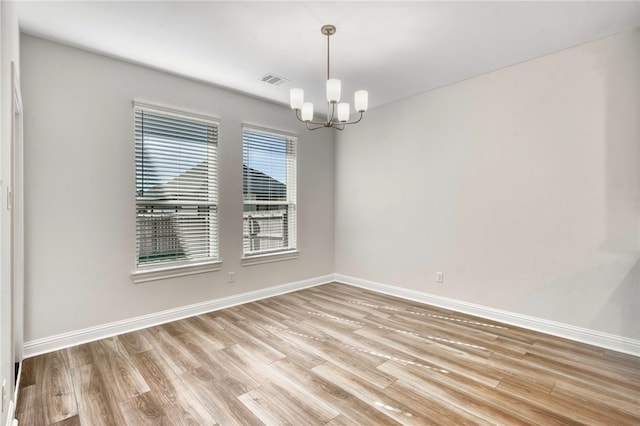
column 328, row 56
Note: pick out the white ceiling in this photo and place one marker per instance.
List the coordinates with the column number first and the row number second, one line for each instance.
column 391, row 49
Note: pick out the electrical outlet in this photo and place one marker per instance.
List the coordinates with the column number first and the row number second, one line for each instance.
column 439, row 277
column 232, row 277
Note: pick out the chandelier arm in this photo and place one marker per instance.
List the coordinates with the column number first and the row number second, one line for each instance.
column 319, row 125
column 359, row 119
column 356, row 121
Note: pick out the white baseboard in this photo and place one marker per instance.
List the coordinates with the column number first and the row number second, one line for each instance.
column 65, row 340
column 584, row 335
column 592, row 337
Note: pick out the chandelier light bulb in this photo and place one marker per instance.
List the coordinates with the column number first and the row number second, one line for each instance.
column 333, row 90
column 307, row 111
column 343, row 111
column 296, row 97
column 361, row 100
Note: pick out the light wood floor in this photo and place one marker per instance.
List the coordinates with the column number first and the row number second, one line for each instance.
column 331, row 355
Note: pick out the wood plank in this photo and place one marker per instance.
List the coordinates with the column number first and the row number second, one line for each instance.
column 180, row 403
column 233, row 379
column 225, row 407
column 28, row 374
column 261, row 349
column 143, row 409
column 79, row 355
column 341, row 420
column 351, row 407
column 359, row 363
column 285, row 393
column 30, row 409
column 432, row 407
column 457, row 397
column 70, row 421
column 55, row 384
column 377, row 398
column 437, row 357
column 97, row 404
column 134, row 343
column 272, row 335
column 117, row 369
column 179, row 359
column 262, row 407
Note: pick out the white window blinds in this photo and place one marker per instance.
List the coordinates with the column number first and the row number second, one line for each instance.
column 176, row 188
column 269, row 192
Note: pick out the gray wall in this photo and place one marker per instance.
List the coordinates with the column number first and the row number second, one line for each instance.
column 80, row 190
column 521, row 185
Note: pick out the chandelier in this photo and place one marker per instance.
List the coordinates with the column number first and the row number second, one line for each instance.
column 337, row 112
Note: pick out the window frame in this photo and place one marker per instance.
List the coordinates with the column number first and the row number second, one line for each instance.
column 291, row 252
column 152, row 272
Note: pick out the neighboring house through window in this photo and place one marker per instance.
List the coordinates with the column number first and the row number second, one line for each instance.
column 176, row 188
column 269, row 191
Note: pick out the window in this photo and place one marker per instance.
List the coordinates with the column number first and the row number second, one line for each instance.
column 269, row 192
column 176, row 188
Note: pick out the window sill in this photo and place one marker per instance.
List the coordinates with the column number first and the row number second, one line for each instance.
column 269, row 257
column 161, row 272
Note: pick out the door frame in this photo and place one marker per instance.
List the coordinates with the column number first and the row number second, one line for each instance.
column 17, row 202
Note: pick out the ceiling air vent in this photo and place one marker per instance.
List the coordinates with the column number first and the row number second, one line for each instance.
column 274, row 79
